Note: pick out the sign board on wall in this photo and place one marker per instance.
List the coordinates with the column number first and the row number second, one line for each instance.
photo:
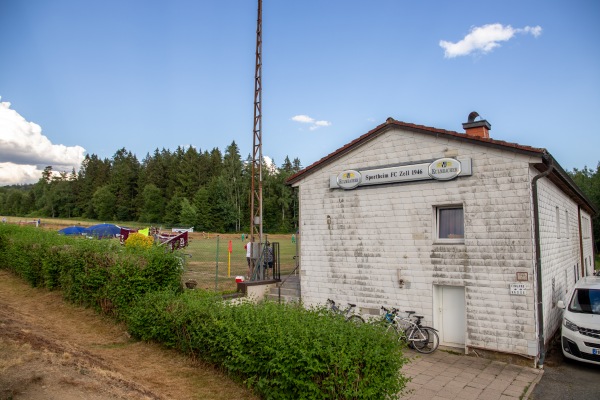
column 441, row 169
column 519, row 289
column 444, row 169
column 349, row 179
column 522, row 276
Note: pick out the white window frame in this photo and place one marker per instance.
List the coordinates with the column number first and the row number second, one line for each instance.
column 437, row 224
column 567, row 224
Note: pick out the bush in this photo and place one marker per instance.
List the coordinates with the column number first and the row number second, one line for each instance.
column 97, row 273
column 139, row 241
column 281, row 351
column 22, row 251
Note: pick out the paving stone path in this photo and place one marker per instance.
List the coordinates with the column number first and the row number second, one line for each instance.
column 444, row 375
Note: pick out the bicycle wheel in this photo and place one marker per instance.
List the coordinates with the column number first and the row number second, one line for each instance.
column 416, row 338
column 407, row 334
column 355, row 319
column 424, row 339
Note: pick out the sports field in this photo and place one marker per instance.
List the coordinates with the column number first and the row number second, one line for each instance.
column 209, row 262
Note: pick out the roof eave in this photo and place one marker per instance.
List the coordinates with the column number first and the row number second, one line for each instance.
column 391, row 123
column 563, row 180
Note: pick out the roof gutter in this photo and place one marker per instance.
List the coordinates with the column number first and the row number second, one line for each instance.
column 538, row 259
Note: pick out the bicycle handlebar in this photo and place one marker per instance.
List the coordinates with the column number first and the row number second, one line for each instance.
column 394, row 311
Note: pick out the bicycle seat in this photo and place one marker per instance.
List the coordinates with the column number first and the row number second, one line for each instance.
column 410, row 312
column 352, row 305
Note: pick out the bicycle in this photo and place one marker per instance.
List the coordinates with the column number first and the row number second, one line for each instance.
column 423, row 339
column 346, row 313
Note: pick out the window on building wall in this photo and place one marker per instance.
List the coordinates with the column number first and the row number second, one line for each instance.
column 557, row 223
column 588, row 263
column 450, row 223
column 567, row 224
column 575, row 273
column 585, row 227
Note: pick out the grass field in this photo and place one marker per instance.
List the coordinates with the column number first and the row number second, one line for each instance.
column 212, row 266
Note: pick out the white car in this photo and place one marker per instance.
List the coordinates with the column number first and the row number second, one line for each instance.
column 580, row 333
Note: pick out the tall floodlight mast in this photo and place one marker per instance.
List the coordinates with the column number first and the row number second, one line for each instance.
column 256, row 220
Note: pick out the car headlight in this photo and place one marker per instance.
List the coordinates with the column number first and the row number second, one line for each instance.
column 569, row 325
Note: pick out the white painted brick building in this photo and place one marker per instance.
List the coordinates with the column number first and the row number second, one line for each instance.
column 450, row 249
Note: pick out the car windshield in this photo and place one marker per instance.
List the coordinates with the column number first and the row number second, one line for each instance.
column 586, row 301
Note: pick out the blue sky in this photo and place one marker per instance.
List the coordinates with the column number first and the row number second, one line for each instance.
column 93, row 77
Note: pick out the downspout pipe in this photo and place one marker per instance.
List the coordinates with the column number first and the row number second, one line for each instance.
column 580, row 237
column 538, row 260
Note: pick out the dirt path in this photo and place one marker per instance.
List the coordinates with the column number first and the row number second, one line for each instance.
column 52, row 350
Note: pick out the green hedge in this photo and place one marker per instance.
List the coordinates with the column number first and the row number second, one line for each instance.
column 97, row 273
column 280, row 351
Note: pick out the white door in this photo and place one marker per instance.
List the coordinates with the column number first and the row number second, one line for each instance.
column 450, row 320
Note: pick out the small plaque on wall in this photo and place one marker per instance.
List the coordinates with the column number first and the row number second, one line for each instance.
column 519, row 289
column 522, row 276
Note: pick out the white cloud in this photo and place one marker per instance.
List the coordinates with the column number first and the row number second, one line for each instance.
column 11, row 174
column 25, row 152
column 534, row 30
column 305, row 119
column 314, row 124
column 484, row 39
column 269, row 164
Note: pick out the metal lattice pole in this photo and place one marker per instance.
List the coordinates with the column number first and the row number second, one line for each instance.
column 256, row 220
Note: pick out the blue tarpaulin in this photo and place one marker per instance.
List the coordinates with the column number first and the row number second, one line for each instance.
column 73, row 230
column 103, row 231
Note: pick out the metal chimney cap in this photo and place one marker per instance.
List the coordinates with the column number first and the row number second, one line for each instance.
column 472, row 116
column 476, row 124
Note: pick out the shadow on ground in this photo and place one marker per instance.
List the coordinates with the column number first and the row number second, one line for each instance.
column 566, row 379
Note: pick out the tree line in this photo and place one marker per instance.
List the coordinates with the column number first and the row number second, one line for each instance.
column 588, row 180
column 187, row 187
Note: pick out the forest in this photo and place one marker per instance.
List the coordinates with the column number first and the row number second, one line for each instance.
column 187, row 187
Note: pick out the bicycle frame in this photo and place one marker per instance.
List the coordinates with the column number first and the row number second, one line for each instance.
column 399, row 323
column 335, row 309
column 424, row 339
column 405, row 325
column 347, row 313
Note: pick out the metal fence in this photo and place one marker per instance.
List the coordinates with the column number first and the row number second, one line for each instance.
column 214, row 261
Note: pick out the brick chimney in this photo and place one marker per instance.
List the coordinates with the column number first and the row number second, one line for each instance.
column 479, row 128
